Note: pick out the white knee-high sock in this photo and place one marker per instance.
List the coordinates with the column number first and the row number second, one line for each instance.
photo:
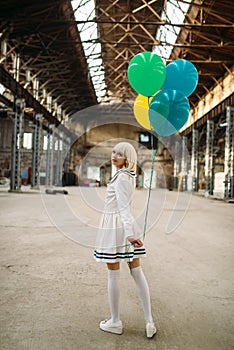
column 143, row 292
column 113, row 293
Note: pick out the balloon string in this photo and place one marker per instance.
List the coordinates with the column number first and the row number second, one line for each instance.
column 150, row 183
column 149, row 189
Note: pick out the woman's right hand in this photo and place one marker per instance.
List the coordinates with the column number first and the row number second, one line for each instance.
column 137, row 243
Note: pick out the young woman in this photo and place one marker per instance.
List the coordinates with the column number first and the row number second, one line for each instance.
column 118, row 238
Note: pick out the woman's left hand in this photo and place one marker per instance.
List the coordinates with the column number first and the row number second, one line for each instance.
column 135, row 242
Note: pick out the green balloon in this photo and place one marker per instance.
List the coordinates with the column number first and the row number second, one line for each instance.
column 146, row 73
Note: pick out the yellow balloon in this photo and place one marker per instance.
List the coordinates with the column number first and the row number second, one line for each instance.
column 141, row 106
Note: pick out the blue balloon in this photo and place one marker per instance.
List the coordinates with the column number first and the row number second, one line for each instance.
column 168, row 112
column 181, row 75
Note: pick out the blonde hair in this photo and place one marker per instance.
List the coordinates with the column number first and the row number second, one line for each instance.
column 129, row 153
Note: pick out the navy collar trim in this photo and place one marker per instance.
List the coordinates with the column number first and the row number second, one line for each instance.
column 129, row 172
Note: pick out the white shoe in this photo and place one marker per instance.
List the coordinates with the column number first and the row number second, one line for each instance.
column 150, row 330
column 109, row 326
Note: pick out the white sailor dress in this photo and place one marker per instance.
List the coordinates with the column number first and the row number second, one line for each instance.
column 117, row 222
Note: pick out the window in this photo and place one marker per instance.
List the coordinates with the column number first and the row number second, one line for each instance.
column 93, row 173
column 27, row 140
column 144, row 138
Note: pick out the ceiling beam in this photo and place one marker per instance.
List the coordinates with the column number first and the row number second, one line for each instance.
column 159, row 23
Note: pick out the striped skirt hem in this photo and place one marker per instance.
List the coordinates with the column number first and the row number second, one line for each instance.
column 115, row 257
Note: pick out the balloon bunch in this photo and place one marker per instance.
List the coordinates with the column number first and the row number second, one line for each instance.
column 162, row 104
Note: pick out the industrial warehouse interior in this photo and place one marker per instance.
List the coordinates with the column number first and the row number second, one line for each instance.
column 78, row 77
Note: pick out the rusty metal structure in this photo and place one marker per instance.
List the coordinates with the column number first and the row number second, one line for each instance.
column 43, row 64
column 41, row 46
column 41, row 50
column 128, row 27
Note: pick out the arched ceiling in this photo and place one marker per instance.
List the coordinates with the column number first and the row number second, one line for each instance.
column 45, row 37
column 206, row 38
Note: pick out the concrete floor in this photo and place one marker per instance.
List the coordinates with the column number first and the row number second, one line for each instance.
column 54, row 294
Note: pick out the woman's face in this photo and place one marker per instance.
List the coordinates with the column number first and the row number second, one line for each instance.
column 118, row 159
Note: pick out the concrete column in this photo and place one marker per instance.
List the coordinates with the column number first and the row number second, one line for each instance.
column 58, row 171
column 229, row 154
column 17, row 140
column 49, row 156
column 209, row 159
column 184, row 163
column 194, row 159
column 67, row 155
column 36, row 149
column 177, row 163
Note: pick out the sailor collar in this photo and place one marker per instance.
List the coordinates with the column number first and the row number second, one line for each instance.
column 125, row 171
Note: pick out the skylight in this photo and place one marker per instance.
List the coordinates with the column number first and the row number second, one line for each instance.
column 84, row 10
column 1, row 88
column 174, row 12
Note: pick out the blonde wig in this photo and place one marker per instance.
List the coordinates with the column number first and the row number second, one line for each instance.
column 129, row 153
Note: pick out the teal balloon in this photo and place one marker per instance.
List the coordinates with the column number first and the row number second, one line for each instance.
column 168, row 112
column 181, row 75
column 146, row 73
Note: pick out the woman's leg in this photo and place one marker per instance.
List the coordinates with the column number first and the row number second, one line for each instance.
column 142, row 288
column 113, row 290
column 113, row 325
